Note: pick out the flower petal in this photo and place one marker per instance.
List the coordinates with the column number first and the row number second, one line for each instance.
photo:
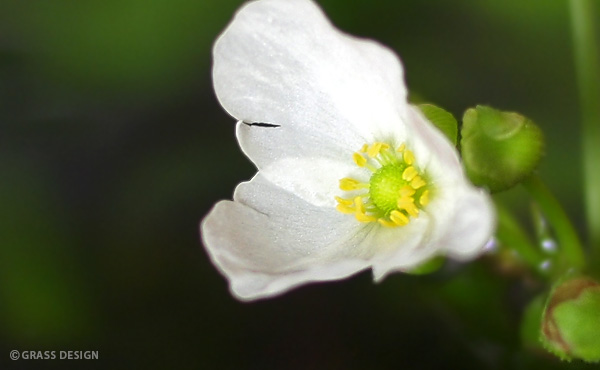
column 472, row 226
column 306, row 97
column 457, row 223
column 405, row 250
column 433, row 151
column 268, row 241
column 281, row 62
column 315, row 180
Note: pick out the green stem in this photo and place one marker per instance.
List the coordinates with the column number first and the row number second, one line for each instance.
column 511, row 234
column 587, row 66
column 571, row 250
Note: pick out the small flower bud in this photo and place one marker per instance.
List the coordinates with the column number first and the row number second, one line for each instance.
column 499, row 149
column 571, row 320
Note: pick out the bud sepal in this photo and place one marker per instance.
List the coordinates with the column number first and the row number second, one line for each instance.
column 499, row 149
column 571, row 320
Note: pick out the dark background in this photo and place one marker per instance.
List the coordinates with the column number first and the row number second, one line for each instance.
column 113, row 147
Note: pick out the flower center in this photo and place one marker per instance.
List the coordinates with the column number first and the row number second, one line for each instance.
column 385, row 185
column 397, row 190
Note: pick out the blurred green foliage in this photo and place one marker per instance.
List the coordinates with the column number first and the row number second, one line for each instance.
column 113, row 147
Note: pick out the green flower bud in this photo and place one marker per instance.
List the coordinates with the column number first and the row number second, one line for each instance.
column 571, row 320
column 499, row 149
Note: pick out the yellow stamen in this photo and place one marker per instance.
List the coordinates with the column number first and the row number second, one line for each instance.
column 360, row 207
column 424, row 199
column 409, row 173
column 359, row 159
column 406, row 191
column 408, row 204
column 399, row 218
column 360, row 211
column 374, row 150
column 409, row 157
column 348, row 184
column 386, row 223
column 345, row 209
column 363, row 217
column 347, row 202
column 388, row 198
column 417, row 182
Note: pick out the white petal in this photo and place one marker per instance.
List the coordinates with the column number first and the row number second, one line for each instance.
column 461, row 220
column 433, row 151
column 457, row 223
column 315, row 180
column 268, row 241
column 403, row 251
column 309, row 175
column 324, row 94
column 472, row 226
column 281, row 62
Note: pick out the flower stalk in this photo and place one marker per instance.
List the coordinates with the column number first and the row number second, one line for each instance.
column 511, row 233
column 570, row 246
column 587, row 64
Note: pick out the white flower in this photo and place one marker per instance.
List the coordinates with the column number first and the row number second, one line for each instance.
column 350, row 176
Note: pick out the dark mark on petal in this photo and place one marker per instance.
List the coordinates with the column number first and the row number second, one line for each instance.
column 260, row 124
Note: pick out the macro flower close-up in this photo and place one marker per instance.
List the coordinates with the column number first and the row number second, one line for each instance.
column 300, row 184
column 350, row 175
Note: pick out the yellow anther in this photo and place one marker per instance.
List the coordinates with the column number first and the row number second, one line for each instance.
column 386, row 223
column 405, row 202
column 359, row 159
column 409, row 157
column 417, row 182
column 406, row 191
column 347, row 202
column 359, row 205
column 374, row 150
column 409, row 173
column 401, row 148
column 360, row 211
column 348, row 184
column 362, row 217
column 364, row 148
column 384, row 146
column 424, row 199
column 399, row 218
column 408, row 204
column 345, row 209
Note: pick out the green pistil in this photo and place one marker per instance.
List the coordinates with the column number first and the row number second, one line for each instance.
column 385, row 185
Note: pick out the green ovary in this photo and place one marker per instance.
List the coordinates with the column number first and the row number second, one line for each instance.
column 384, row 187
